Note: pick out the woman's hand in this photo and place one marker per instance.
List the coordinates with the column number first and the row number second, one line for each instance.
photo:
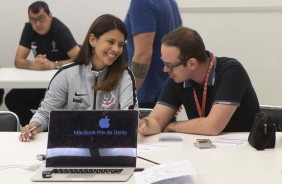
column 29, row 131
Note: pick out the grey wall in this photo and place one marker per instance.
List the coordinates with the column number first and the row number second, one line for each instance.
column 250, row 31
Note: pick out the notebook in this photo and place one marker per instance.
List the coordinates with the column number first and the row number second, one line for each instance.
column 92, row 145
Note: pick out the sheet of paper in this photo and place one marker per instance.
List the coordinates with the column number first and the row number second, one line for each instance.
column 179, row 172
column 230, row 141
column 146, row 147
column 171, row 136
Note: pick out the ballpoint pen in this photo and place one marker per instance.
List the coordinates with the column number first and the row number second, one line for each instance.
column 35, row 127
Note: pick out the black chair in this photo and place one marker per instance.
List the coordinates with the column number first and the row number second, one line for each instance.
column 146, row 111
column 275, row 112
column 9, row 122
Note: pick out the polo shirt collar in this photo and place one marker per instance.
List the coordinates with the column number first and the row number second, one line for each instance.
column 189, row 83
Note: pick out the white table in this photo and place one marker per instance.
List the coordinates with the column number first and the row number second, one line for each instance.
column 23, row 78
column 226, row 164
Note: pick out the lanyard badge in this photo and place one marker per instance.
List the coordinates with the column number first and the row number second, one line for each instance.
column 201, row 110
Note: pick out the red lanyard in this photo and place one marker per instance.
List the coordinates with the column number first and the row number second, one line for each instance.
column 201, row 111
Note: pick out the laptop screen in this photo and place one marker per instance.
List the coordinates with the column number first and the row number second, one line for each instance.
column 92, row 138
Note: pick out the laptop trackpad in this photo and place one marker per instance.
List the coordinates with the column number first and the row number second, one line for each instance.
column 82, row 176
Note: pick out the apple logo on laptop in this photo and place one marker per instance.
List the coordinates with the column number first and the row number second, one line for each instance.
column 104, row 122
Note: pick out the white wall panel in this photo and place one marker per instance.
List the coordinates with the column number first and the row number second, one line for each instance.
column 249, row 30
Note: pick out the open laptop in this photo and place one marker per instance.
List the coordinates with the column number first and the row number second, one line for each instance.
column 90, row 145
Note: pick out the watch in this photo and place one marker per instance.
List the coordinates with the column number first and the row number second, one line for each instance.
column 57, row 65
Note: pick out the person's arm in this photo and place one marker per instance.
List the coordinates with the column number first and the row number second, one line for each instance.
column 143, row 50
column 23, row 51
column 41, row 62
column 213, row 124
column 21, row 58
column 232, row 83
column 66, row 42
column 26, row 134
column 72, row 54
column 55, row 98
column 127, row 94
column 157, row 120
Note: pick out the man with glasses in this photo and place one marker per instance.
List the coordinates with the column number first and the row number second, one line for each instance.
column 216, row 92
column 52, row 45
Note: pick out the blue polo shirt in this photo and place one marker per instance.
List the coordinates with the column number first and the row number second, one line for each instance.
column 161, row 17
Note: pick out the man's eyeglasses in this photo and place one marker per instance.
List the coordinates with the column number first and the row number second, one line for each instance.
column 172, row 67
column 40, row 19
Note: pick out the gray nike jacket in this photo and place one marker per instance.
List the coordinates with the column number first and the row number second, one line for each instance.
column 70, row 89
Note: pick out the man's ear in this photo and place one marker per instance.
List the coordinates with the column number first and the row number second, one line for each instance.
column 192, row 63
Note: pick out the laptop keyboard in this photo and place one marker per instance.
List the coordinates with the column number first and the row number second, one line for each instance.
column 86, row 171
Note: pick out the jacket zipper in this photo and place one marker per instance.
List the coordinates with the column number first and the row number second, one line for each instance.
column 95, row 92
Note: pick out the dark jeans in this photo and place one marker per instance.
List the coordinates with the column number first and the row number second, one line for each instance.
column 21, row 101
column 1, row 96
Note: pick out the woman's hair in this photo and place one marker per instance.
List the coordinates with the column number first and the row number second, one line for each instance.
column 101, row 25
column 189, row 43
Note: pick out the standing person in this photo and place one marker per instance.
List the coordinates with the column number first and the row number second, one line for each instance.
column 1, row 96
column 216, row 92
column 147, row 22
column 99, row 78
column 52, row 45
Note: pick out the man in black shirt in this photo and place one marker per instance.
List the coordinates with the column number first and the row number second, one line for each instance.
column 216, row 92
column 52, row 45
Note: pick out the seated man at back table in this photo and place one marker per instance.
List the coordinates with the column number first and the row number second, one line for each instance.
column 216, row 92
column 52, row 45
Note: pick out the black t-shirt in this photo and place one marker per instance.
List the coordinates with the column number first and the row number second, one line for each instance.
column 232, row 85
column 55, row 44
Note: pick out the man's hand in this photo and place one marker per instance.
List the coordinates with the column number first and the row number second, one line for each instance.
column 42, row 63
column 143, row 126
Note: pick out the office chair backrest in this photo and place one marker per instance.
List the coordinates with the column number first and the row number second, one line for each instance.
column 275, row 112
column 9, row 122
column 146, row 111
